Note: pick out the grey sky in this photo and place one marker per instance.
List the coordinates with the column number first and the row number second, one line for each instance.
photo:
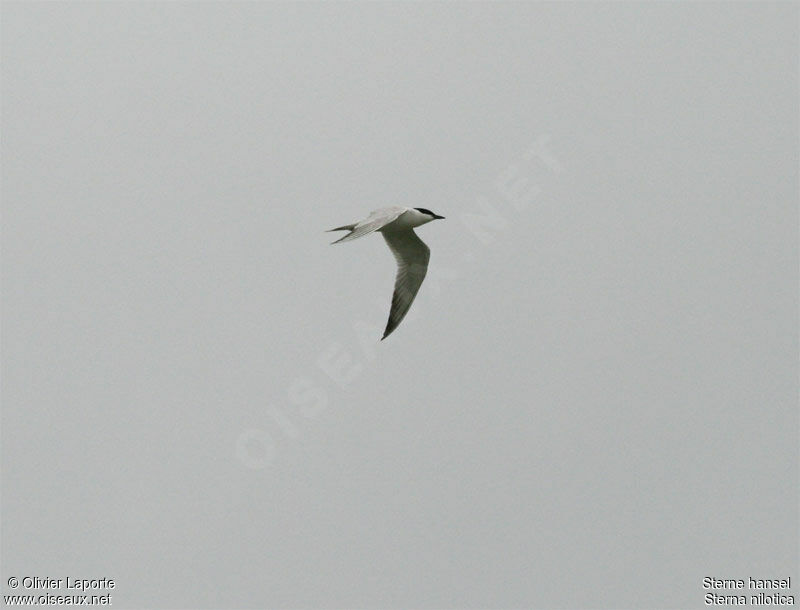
column 593, row 402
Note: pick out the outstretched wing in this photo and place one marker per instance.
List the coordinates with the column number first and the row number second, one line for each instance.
column 376, row 220
column 412, row 257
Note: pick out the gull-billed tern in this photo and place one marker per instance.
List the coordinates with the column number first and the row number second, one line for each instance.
column 397, row 225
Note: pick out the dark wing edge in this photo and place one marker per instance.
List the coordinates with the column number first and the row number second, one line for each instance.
column 412, row 256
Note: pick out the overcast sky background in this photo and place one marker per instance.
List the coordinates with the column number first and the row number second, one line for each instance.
column 595, row 403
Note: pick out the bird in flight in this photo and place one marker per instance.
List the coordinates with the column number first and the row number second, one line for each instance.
column 397, row 225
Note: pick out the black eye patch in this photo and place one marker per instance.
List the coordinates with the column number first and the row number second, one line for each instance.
column 424, row 211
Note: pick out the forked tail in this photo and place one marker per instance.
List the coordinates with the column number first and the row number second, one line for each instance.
column 344, row 228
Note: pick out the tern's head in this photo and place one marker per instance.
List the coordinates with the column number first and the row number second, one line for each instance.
column 430, row 215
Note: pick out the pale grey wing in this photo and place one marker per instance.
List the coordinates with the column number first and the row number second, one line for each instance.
column 412, row 257
column 376, row 220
